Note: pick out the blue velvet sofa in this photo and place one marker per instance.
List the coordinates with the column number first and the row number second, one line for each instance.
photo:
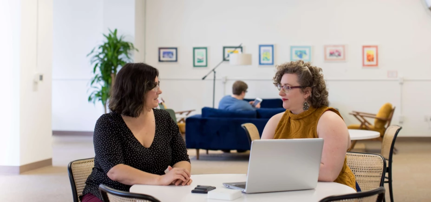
column 217, row 129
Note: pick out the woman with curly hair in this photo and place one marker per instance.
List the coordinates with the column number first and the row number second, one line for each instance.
column 305, row 98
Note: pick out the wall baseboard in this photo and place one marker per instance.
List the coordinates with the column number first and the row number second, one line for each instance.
column 16, row 170
column 90, row 133
column 71, row 133
column 414, row 139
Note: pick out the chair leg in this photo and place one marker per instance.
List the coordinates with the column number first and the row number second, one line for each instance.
column 391, row 194
column 352, row 145
column 197, row 154
column 207, row 151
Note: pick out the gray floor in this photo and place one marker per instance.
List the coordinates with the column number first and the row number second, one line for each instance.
column 411, row 170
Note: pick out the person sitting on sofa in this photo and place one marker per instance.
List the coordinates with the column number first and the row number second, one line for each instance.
column 129, row 138
column 305, row 98
column 236, row 102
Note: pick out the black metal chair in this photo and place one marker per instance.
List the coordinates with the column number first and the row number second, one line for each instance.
column 113, row 195
column 78, row 171
column 369, row 169
column 251, row 131
column 375, row 195
column 388, row 147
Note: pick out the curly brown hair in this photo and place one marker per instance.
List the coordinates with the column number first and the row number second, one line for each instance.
column 308, row 76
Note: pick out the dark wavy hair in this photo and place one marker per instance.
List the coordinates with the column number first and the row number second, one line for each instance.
column 131, row 84
column 308, row 76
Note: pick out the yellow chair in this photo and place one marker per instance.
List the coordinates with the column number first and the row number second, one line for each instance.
column 382, row 120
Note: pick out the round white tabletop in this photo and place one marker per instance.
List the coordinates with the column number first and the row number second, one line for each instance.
column 183, row 193
column 356, row 134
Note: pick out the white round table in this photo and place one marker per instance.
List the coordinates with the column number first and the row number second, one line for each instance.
column 183, row 193
column 356, row 134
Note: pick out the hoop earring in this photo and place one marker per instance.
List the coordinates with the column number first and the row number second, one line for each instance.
column 306, row 106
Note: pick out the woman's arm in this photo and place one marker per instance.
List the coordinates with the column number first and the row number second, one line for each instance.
column 184, row 164
column 269, row 130
column 128, row 175
column 180, row 159
column 334, row 132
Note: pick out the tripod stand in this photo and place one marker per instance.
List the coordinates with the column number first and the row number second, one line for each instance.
column 214, row 73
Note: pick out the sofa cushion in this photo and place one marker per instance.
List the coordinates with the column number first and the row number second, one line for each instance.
column 211, row 112
column 268, row 112
column 268, row 102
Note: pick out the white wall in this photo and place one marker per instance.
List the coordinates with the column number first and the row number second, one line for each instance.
column 35, row 99
column 140, row 12
column 400, row 28
column 78, row 28
column 120, row 15
column 10, row 17
column 28, row 135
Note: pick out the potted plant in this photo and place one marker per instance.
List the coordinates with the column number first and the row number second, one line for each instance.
column 107, row 58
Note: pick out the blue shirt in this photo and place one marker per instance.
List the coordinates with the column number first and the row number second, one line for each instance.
column 232, row 104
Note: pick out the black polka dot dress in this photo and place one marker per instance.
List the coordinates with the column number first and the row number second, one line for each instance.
column 115, row 144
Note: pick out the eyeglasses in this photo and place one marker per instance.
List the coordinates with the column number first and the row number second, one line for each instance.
column 286, row 88
column 157, row 87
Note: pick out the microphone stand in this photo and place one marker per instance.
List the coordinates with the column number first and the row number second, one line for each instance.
column 214, row 73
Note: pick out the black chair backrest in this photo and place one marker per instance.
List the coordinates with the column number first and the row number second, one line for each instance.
column 369, row 169
column 388, row 143
column 78, row 171
column 376, row 195
column 105, row 190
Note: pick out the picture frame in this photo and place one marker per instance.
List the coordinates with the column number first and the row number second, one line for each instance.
column 200, row 57
column 168, row 54
column 370, row 56
column 228, row 50
column 266, row 54
column 335, row 53
column 300, row 53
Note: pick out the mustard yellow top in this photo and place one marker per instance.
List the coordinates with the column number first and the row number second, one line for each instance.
column 304, row 125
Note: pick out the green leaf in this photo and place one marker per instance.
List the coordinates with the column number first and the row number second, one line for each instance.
column 107, row 58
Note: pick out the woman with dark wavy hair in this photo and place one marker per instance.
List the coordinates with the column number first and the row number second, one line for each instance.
column 135, row 143
column 305, row 98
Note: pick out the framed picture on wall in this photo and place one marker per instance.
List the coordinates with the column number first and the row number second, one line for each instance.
column 168, row 54
column 370, row 56
column 335, row 53
column 300, row 53
column 227, row 50
column 266, row 54
column 200, row 57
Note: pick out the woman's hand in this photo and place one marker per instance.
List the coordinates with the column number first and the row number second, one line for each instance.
column 252, row 104
column 180, row 182
column 175, row 176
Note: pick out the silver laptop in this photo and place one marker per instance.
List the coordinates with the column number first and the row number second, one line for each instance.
column 282, row 165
